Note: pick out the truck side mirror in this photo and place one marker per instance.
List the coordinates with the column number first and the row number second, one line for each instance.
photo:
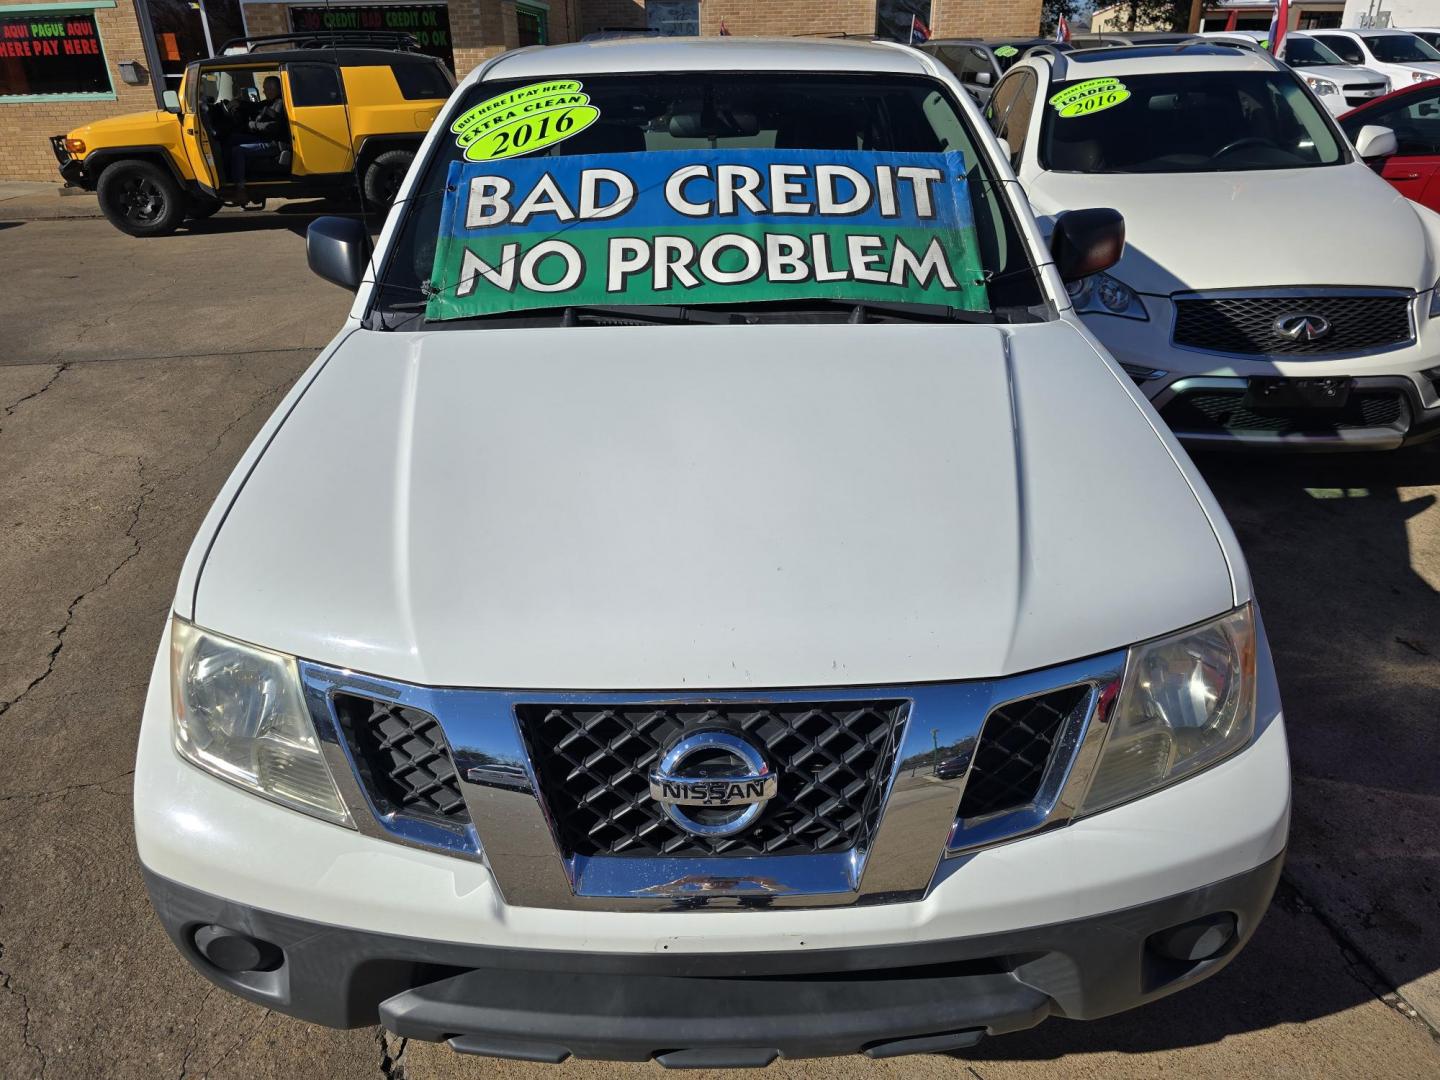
column 337, row 249
column 1085, row 242
column 1374, row 141
column 172, row 100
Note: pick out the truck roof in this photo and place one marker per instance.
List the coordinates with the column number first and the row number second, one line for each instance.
column 1155, row 59
column 633, row 55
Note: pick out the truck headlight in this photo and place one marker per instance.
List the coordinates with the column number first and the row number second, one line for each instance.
column 239, row 714
column 1187, row 701
column 1321, row 86
column 1101, row 294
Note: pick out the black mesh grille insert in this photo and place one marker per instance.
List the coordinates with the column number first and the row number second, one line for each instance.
column 833, row 761
column 1246, row 325
column 1014, row 750
column 403, row 758
column 1224, row 410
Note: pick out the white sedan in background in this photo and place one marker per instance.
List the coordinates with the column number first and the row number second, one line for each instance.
column 1339, row 86
column 1273, row 290
column 1399, row 55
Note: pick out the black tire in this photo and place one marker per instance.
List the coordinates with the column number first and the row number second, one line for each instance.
column 202, row 207
column 383, row 177
column 141, row 198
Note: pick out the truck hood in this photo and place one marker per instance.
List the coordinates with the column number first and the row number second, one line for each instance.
column 149, row 127
column 683, row 507
column 1330, row 225
column 1342, row 75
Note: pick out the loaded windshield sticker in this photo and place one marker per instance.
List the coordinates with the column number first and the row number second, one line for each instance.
column 1090, row 96
column 1006, row 50
column 697, row 227
column 524, row 120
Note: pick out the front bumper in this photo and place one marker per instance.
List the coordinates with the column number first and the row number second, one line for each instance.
column 1169, row 375
column 72, row 171
column 726, row 1009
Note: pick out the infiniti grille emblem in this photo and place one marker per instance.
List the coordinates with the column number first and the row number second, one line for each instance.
column 1302, row 327
column 713, row 783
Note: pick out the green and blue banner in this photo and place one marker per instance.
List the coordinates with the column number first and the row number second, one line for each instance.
column 705, row 227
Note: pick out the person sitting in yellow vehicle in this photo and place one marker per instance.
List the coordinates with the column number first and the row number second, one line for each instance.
column 265, row 133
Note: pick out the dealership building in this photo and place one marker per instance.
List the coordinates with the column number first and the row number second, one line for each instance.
column 63, row 64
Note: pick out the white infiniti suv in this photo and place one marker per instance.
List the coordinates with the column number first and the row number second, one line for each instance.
column 643, row 680
column 1274, row 292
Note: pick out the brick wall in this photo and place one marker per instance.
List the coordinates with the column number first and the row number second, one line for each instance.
column 785, row 18
column 984, row 18
column 25, row 127
column 597, row 14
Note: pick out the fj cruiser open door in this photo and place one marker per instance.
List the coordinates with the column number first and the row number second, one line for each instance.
column 194, row 135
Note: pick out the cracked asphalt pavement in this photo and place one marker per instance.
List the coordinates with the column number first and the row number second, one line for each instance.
column 132, row 375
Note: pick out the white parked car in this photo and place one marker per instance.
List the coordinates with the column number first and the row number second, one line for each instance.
column 1400, row 56
column 1339, row 86
column 1244, row 319
column 567, row 676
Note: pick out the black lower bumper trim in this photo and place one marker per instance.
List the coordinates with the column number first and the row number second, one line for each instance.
column 713, row 1008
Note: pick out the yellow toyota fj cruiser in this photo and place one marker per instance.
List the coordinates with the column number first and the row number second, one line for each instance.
column 356, row 105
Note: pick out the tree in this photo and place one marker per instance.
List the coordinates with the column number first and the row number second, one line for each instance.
column 1155, row 14
column 1050, row 12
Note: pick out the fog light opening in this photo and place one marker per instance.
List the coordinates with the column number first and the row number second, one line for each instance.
column 234, row 952
column 1197, row 940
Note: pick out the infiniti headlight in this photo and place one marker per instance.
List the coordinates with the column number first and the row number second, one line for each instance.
column 1421, row 76
column 239, row 713
column 1187, row 701
column 1321, row 86
column 1101, row 294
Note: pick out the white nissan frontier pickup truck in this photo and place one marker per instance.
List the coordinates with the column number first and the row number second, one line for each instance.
column 713, row 600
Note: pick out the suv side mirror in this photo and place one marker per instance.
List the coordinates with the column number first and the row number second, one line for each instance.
column 1085, row 242
column 982, row 78
column 172, row 100
column 1374, row 141
column 337, row 249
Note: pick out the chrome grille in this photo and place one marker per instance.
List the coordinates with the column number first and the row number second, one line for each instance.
column 1225, row 410
column 1245, row 325
column 403, row 758
column 1014, row 751
column 833, row 760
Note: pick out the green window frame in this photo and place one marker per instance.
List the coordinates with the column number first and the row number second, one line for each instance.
column 541, row 15
column 89, row 7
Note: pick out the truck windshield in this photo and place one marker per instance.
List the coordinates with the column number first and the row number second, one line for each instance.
column 1400, row 49
column 1307, row 52
column 712, row 115
column 1182, row 122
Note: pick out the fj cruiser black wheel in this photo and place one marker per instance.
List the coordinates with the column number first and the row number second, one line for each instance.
column 141, row 198
column 202, row 207
column 383, row 177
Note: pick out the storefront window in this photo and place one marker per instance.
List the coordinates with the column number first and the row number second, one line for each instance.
column 187, row 30
column 673, row 18
column 894, row 20
column 532, row 25
column 52, row 53
column 428, row 24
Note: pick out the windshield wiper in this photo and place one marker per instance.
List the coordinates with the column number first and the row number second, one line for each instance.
column 579, row 314
column 861, row 311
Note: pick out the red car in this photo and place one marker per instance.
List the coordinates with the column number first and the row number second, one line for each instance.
column 1413, row 113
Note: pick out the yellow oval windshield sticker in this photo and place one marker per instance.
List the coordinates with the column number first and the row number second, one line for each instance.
column 524, row 120
column 1006, row 50
column 1090, row 96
